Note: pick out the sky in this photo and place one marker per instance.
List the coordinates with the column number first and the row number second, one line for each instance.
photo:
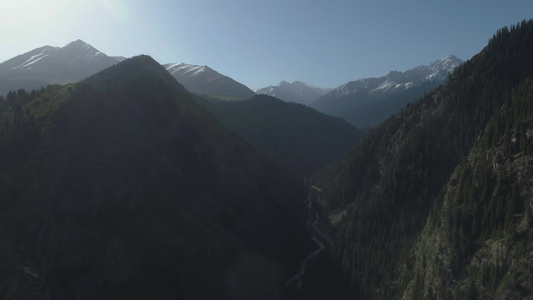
column 262, row 42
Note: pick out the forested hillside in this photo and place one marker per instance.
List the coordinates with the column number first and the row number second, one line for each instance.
column 298, row 136
column 390, row 181
column 121, row 187
column 477, row 241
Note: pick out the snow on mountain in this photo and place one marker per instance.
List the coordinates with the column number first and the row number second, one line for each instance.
column 368, row 101
column 396, row 81
column 52, row 65
column 206, row 81
column 188, row 70
column 297, row 92
column 32, row 60
column 79, row 51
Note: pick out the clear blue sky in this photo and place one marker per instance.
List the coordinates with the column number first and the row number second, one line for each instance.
column 261, row 42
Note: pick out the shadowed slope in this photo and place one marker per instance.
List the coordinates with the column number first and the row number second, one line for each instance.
column 122, row 188
column 301, row 138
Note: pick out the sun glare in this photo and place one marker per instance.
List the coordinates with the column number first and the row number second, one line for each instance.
column 32, row 12
column 117, row 8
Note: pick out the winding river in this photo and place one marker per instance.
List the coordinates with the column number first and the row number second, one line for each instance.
column 298, row 277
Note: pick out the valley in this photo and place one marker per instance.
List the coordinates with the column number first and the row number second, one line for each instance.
column 312, row 221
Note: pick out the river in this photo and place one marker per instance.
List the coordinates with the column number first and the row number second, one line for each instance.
column 298, row 277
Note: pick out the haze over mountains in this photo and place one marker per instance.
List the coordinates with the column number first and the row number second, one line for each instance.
column 127, row 185
column 367, row 102
column 297, row 92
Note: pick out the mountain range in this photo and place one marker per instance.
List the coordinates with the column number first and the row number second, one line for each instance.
column 306, row 131
column 126, row 185
column 53, row 65
column 364, row 102
column 297, row 92
column 367, row 102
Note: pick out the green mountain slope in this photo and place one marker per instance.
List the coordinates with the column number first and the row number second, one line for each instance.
column 121, row 187
column 387, row 185
column 301, row 138
column 477, row 243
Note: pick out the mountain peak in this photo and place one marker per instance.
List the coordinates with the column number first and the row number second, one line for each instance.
column 53, row 65
column 295, row 83
column 450, row 60
column 77, row 44
column 78, row 41
column 451, row 57
column 133, row 66
column 297, row 91
column 80, row 50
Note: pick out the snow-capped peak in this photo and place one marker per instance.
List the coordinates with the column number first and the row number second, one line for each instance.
column 297, row 91
column 81, row 51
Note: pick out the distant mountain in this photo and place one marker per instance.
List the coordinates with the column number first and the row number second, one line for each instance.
column 53, row 65
column 206, row 81
column 367, row 102
column 297, row 92
column 122, row 187
column 303, row 139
